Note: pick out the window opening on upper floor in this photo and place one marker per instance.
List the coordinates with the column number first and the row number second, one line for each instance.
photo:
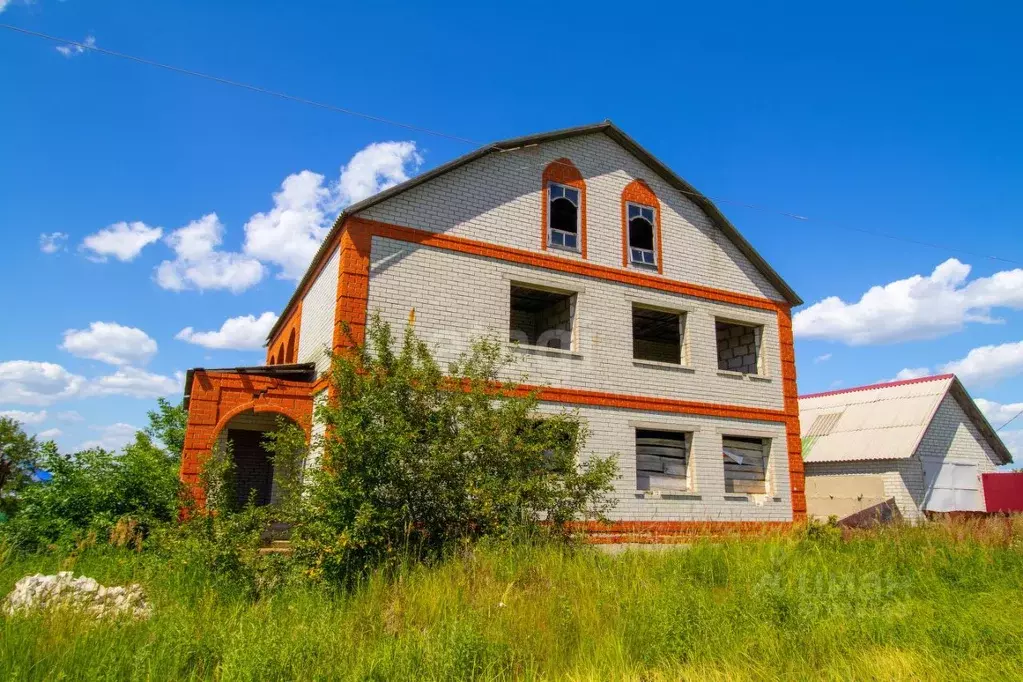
column 642, row 249
column 563, row 216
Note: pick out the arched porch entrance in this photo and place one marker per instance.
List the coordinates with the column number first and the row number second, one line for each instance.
column 244, row 437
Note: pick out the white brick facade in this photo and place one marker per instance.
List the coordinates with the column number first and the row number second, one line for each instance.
column 496, row 199
column 458, row 297
column 317, row 334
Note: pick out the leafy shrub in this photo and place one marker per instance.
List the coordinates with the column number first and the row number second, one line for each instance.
column 415, row 461
column 89, row 492
column 19, row 456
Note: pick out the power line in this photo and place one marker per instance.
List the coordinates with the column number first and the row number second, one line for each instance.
column 457, row 138
column 1009, row 422
column 239, row 84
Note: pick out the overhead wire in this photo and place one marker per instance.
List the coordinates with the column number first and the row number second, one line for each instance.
column 457, row 138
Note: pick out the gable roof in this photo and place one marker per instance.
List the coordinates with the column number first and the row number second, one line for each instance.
column 606, row 128
column 883, row 421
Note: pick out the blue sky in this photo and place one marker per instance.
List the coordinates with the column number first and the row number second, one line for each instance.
column 869, row 118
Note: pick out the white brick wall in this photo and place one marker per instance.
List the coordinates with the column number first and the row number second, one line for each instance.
column 458, row 297
column 317, row 333
column 950, row 434
column 496, row 199
column 612, row 432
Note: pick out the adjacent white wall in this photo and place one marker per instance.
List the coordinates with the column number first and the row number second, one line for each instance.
column 317, row 331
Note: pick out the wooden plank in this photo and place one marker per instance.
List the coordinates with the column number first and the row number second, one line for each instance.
column 675, row 470
column 743, row 447
column 678, row 453
column 662, row 482
column 744, row 468
column 753, row 487
column 648, row 463
column 667, row 442
column 744, row 475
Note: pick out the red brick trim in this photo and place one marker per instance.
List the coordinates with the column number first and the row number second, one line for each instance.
column 790, row 393
column 279, row 349
column 358, row 234
column 369, row 228
column 216, row 397
column 638, row 192
column 563, row 172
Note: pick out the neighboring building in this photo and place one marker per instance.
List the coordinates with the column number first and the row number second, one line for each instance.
column 922, row 442
column 626, row 294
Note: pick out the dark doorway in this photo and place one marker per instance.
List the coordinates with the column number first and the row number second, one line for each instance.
column 253, row 469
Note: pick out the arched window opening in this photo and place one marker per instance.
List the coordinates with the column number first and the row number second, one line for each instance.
column 563, row 216
column 291, row 346
column 642, row 249
column 280, row 354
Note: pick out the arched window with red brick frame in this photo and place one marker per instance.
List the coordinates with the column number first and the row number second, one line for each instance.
column 563, row 208
column 641, row 227
column 291, row 347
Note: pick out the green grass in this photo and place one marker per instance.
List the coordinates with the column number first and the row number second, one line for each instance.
column 943, row 602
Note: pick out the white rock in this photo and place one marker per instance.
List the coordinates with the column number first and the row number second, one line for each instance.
column 63, row 590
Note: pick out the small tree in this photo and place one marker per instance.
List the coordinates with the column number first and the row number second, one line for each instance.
column 415, row 460
column 19, row 457
column 167, row 424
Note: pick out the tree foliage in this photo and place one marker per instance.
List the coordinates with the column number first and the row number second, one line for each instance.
column 91, row 491
column 167, row 424
column 416, row 460
column 19, row 456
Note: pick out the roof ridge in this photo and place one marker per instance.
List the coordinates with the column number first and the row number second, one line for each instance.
column 885, row 384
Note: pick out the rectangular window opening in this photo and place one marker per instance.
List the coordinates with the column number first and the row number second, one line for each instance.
column 658, row 335
column 745, row 461
column 662, row 460
column 540, row 317
column 738, row 347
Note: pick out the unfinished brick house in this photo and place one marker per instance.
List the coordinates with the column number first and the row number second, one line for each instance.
column 625, row 293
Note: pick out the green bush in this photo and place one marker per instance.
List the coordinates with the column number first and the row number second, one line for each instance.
column 416, row 461
column 19, row 456
column 89, row 492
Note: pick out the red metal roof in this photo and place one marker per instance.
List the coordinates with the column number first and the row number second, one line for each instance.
column 887, row 384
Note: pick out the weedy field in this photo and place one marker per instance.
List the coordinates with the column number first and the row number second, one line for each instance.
column 944, row 601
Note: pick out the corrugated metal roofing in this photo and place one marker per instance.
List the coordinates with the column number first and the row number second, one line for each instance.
column 884, row 421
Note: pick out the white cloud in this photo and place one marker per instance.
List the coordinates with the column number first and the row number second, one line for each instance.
column 998, row 413
column 71, row 416
column 124, row 241
column 73, row 50
column 37, row 383
column 49, row 434
column 3, row 4
column 1014, row 441
column 111, row 343
column 918, row 307
column 290, row 233
column 246, row 332
column 987, row 364
column 822, row 358
column 911, row 373
column 52, row 242
column 112, row 437
column 25, row 417
column 375, row 168
column 199, row 265
column 135, row 383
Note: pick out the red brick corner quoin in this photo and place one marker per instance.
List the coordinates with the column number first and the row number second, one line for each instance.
column 217, row 397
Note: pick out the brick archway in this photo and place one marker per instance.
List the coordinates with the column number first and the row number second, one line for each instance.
column 217, row 397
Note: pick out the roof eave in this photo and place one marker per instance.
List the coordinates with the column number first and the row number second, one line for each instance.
column 615, row 133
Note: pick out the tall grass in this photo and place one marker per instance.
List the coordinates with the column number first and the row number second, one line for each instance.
column 943, row 601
